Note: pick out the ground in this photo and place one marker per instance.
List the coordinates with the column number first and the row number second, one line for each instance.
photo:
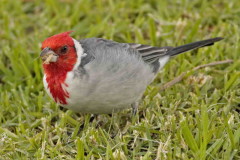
column 197, row 118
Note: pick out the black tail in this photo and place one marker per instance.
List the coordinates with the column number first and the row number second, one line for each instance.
column 194, row 45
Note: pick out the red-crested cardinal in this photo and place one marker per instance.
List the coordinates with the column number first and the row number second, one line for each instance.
column 96, row 75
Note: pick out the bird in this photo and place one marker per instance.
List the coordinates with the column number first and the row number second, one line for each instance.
column 100, row 76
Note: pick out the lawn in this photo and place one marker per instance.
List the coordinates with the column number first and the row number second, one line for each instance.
column 197, row 118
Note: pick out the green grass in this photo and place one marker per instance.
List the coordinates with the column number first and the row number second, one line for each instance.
column 193, row 119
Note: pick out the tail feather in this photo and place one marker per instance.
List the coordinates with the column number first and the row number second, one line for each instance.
column 194, row 45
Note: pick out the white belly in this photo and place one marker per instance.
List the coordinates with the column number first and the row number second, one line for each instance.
column 102, row 98
column 105, row 91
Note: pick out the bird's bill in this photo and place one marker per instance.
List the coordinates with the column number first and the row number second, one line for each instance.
column 48, row 56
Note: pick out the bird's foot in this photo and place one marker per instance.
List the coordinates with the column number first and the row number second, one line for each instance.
column 134, row 108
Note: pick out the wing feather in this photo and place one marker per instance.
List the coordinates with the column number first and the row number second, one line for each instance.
column 149, row 53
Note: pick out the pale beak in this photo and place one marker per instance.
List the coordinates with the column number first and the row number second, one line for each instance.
column 48, row 55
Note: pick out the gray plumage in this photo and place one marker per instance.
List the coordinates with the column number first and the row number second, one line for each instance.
column 114, row 75
column 149, row 54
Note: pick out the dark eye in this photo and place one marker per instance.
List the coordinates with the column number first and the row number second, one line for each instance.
column 64, row 49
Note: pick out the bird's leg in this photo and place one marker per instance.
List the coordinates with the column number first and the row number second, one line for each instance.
column 134, row 108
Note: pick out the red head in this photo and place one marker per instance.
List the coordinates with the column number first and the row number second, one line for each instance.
column 58, row 51
column 59, row 56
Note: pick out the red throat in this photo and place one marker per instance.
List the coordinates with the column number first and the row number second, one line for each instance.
column 55, row 77
column 56, row 72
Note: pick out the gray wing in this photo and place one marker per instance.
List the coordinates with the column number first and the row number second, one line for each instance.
column 90, row 45
column 148, row 54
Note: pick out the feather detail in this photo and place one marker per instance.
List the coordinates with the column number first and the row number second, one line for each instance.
column 150, row 54
column 54, row 85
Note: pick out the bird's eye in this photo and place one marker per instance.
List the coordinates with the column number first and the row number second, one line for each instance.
column 64, row 49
